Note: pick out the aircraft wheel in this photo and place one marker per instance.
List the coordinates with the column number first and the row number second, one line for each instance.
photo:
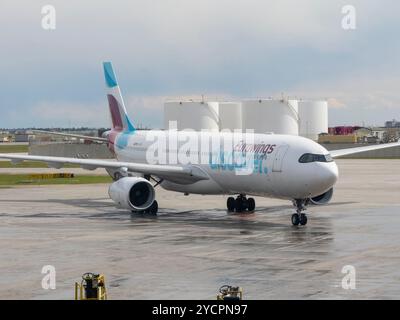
column 230, row 204
column 239, row 205
column 251, row 204
column 153, row 208
column 295, row 219
column 303, row 219
column 140, row 211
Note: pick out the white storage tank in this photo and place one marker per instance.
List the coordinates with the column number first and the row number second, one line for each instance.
column 313, row 118
column 230, row 116
column 171, row 113
column 270, row 115
column 295, row 105
column 192, row 115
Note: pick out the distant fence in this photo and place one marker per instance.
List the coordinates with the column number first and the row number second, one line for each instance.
column 76, row 150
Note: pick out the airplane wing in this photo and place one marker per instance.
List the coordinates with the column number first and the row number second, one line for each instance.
column 78, row 136
column 345, row 152
column 174, row 173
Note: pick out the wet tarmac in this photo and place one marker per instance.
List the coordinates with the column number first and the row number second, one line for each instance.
column 194, row 246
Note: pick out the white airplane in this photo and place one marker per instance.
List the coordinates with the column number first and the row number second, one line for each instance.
column 281, row 166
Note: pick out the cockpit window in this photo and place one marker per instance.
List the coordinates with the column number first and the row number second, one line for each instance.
column 310, row 157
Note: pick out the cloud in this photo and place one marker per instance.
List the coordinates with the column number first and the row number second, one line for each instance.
column 335, row 103
column 62, row 114
column 164, row 48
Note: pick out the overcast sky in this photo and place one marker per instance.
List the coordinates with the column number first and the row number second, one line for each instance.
column 229, row 49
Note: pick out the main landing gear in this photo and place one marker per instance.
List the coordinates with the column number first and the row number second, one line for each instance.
column 152, row 210
column 240, row 204
column 299, row 217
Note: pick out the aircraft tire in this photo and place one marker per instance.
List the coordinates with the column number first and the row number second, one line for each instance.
column 303, row 219
column 239, row 205
column 230, row 204
column 295, row 219
column 153, row 208
column 251, row 204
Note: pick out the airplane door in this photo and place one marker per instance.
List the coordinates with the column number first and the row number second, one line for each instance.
column 278, row 159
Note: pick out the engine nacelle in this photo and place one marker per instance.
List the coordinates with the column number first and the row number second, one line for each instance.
column 132, row 193
column 323, row 198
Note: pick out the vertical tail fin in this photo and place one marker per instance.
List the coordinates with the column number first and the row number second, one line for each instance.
column 119, row 116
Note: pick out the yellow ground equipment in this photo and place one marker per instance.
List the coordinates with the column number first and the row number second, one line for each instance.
column 51, row 176
column 92, row 287
column 230, row 293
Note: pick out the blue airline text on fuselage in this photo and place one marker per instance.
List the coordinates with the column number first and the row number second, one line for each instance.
column 231, row 161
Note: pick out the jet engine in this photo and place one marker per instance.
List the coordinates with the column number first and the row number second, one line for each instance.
column 323, row 198
column 132, row 193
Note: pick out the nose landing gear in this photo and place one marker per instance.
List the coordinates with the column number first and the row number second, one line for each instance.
column 240, row 204
column 299, row 217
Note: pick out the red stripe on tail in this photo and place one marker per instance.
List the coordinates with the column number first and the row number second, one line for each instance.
column 115, row 114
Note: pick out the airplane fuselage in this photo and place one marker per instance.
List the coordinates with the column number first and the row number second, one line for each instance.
column 254, row 164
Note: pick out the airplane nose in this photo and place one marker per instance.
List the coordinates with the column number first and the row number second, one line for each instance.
column 330, row 174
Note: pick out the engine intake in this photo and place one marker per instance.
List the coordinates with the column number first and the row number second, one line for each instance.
column 132, row 193
column 322, row 198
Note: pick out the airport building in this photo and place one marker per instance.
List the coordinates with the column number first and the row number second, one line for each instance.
column 58, row 146
column 356, row 134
